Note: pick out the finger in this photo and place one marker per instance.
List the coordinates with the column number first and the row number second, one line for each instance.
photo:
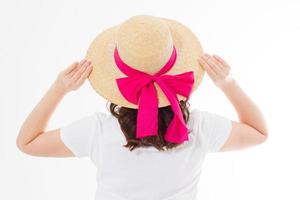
column 218, row 58
column 77, row 75
column 216, row 65
column 211, row 64
column 211, row 73
column 71, row 67
column 207, row 68
column 201, row 63
column 80, row 65
column 204, row 63
column 84, row 75
column 223, row 67
column 82, row 61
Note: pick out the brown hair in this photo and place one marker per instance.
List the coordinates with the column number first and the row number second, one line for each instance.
column 127, row 120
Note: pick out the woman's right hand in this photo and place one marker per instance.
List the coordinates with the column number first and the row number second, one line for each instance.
column 217, row 69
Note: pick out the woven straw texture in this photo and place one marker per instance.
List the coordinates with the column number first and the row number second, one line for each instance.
column 145, row 43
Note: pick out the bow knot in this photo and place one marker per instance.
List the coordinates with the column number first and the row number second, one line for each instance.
column 138, row 88
column 150, row 78
column 153, row 78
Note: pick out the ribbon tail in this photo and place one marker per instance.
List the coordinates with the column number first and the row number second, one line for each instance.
column 147, row 117
column 176, row 132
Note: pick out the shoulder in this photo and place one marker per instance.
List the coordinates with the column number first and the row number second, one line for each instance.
column 201, row 115
column 195, row 119
column 213, row 128
column 100, row 115
column 104, row 118
column 196, row 116
column 206, row 121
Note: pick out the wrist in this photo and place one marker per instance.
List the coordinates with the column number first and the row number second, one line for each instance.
column 57, row 89
column 228, row 85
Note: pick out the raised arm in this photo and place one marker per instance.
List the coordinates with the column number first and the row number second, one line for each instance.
column 33, row 138
column 251, row 128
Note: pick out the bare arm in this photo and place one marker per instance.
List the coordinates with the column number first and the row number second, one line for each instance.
column 32, row 138
column 246, row 109
column 251, row 128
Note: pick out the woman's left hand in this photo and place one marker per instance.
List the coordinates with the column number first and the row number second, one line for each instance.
column 73, row 77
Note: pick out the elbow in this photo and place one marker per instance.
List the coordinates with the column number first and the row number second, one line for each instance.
column 264, row 134
column 264, row 137
column 21, row 145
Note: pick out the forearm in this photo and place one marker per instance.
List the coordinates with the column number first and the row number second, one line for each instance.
column 37, row 120
column 246, row 109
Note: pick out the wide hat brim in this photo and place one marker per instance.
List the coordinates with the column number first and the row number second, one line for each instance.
column 105, row 72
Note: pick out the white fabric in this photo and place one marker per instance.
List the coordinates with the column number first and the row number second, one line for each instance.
column 145, row 173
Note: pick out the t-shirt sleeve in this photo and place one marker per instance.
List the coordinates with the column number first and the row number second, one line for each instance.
column 215, row 129
column 79, row 135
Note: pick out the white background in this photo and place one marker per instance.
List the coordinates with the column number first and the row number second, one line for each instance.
column 259, row 39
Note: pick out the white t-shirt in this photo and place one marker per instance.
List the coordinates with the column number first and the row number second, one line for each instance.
column 145, row 173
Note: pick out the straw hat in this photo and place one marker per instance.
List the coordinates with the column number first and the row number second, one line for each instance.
column 145, row 43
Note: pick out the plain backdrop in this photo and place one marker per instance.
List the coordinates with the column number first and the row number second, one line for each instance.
column 259, row 39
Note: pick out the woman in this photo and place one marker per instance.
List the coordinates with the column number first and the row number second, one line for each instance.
column 143, row 168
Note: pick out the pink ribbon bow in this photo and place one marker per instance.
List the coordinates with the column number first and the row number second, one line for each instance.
column 138, row 88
